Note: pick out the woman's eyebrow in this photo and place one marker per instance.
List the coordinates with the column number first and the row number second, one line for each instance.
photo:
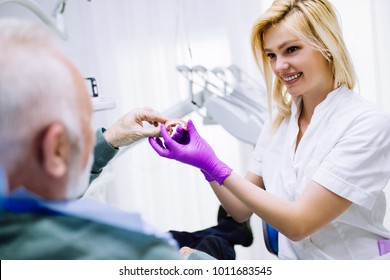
column 281, row 46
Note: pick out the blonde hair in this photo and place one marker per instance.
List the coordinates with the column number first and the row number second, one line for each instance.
column 314, row 22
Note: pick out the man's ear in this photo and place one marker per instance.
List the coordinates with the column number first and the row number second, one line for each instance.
column 56, row 148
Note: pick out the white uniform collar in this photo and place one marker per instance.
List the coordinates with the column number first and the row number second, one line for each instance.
column 328, row 99
column 296, row 105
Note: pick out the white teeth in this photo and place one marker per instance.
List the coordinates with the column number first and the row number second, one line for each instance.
column 287, row 79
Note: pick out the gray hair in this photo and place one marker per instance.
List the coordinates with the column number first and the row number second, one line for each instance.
column 36, row 86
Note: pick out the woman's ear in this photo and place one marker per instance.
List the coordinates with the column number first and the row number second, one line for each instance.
column 56, row 148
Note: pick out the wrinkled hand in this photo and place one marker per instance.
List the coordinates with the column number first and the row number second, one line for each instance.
column 130, row 127
column 185, row 252
column 191, row 149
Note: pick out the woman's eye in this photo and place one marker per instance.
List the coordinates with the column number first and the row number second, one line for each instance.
column 271, row 55
column 291, row 49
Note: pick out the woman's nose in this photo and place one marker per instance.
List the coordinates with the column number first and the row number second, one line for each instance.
column 281, row 65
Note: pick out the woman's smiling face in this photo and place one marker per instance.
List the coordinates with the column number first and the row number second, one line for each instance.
column 303, row 69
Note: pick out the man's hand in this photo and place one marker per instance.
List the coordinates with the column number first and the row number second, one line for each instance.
column 185, row 252
column 130, row 127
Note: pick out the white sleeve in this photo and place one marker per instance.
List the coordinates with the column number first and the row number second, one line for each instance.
column 358, row 166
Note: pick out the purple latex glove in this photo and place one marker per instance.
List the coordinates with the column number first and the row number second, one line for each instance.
column 183, row 137
column 384, row 246
column 193, row 150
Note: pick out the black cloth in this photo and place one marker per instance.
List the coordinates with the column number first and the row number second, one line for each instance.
column 217, row 241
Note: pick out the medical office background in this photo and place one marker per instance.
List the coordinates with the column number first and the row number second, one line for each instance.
column 133, row 48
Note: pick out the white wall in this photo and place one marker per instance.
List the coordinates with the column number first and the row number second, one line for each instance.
column 380, row 10
column 365, row 25
column 132, row 48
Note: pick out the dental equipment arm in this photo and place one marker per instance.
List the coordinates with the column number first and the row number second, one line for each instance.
column 57, row 25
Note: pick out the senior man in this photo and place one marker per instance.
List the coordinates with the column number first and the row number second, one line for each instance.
column 46, row 143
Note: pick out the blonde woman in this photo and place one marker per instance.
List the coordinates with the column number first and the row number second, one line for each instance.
column 324, row 157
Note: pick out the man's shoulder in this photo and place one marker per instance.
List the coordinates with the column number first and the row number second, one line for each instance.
column 42, row 236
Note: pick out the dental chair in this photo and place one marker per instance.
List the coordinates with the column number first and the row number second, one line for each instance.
column 270, row 236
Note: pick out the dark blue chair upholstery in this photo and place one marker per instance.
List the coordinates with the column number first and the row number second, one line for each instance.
column 271, row 238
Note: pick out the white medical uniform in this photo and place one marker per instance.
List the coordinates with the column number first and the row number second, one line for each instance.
column 346, row 149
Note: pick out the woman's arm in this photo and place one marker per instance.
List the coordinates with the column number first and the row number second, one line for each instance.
column 316, row 207
column 234, row 206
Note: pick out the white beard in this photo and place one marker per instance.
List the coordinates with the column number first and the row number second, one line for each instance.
column 78, row 183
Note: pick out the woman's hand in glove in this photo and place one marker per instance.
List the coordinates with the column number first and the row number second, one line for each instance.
column 192, row 150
